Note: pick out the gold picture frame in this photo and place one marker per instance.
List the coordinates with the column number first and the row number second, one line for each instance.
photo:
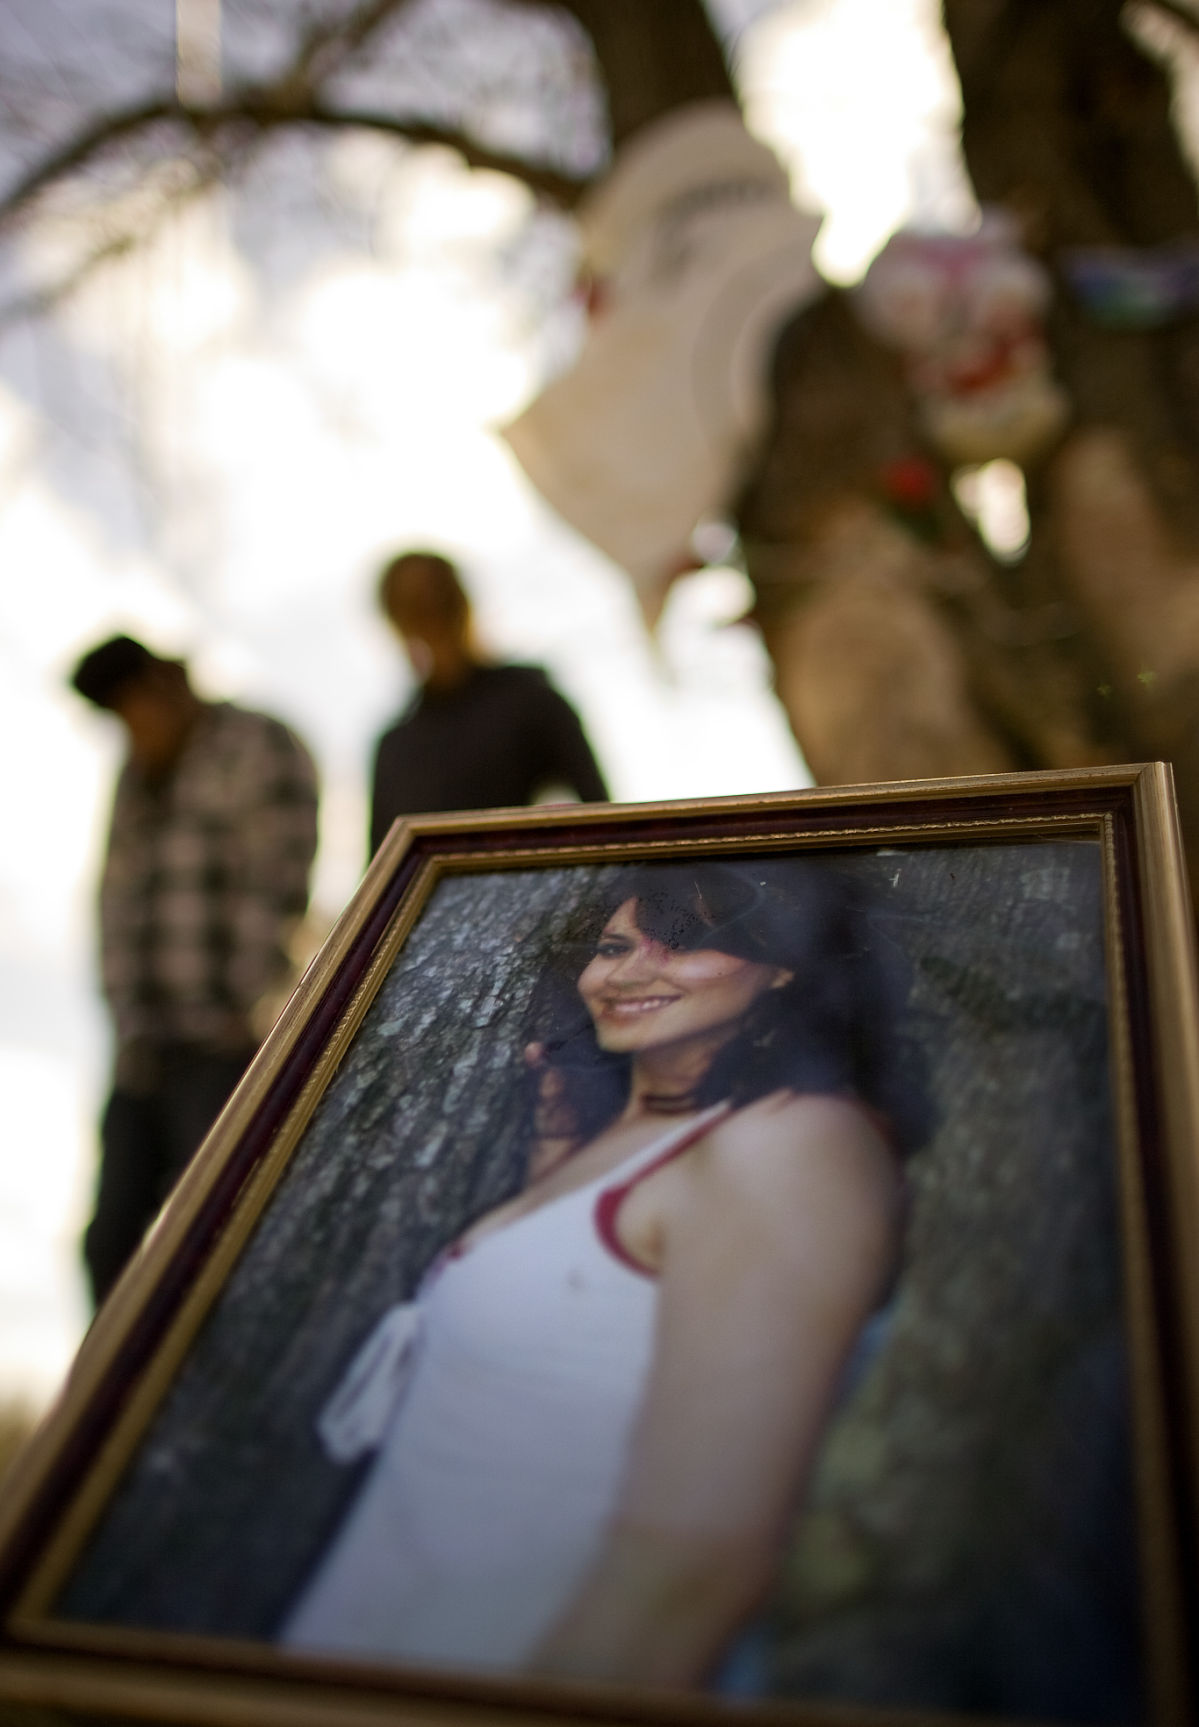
column 1002, row 1522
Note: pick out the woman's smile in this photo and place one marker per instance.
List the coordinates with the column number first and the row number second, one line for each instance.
column 625, row 1007
column 643, row 995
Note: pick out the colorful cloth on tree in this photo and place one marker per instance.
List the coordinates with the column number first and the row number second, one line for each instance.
column 966, row 312
column 1135, row 288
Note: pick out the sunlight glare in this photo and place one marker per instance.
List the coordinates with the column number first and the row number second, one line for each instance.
column 43, row 621
column 867, row 136
column 45, row 1115
column 995, row 499
column 16, row 439
column 441, row 209
column 398, row 339
column 182, row 291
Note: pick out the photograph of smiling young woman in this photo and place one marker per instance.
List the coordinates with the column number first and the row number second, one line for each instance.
column 622, row 1375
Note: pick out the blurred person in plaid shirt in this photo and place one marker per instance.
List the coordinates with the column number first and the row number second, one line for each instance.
column 205, row 877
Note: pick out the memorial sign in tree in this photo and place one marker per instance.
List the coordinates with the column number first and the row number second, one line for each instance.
column 903, row 645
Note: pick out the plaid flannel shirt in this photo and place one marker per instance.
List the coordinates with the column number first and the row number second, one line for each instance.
column 204, row 876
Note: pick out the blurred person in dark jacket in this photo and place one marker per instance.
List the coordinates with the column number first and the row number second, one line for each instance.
column 205, row 876
column 476, row 735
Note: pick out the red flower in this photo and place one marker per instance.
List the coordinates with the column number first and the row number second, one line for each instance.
column 910, row 482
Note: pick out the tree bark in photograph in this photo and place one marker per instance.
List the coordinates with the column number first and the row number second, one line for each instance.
column 419, row 1133
column 969, row 1541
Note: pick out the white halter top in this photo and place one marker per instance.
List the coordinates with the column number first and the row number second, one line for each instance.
column 504, row 1438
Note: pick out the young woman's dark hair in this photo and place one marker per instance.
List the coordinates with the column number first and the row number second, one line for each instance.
column 833, row 1029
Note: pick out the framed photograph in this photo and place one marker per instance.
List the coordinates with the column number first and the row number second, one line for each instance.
column 676, row 1262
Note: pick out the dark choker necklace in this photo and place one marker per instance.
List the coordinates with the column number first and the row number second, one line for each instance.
column 669, row 1102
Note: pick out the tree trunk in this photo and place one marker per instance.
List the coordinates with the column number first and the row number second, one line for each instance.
column 652, row 59
column 932, row 658
column 1068, row 123
column 900, row 648
column 420, row 1132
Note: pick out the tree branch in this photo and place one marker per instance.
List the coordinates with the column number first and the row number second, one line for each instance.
column 562, row 189
column 262, row 110
column 118, row 245
column 326, row 47
column 79, row 150
column 292, row 99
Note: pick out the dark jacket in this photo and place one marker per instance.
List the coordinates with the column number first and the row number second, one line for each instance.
column 503, row 737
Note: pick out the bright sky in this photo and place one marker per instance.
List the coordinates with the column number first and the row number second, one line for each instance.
column 283, row 459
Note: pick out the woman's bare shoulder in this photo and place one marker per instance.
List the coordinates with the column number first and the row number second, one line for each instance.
column 790, row 1116
column 809, row 1137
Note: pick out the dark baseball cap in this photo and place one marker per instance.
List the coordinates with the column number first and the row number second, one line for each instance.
column 101, row 673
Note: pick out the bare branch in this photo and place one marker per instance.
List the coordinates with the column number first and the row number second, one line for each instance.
column 262, row 111
column 119, row 245
column 326, row 47
column 563, row 189
column 80, row 149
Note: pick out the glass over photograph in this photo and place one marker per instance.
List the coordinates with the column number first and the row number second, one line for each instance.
column 698, row 1273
